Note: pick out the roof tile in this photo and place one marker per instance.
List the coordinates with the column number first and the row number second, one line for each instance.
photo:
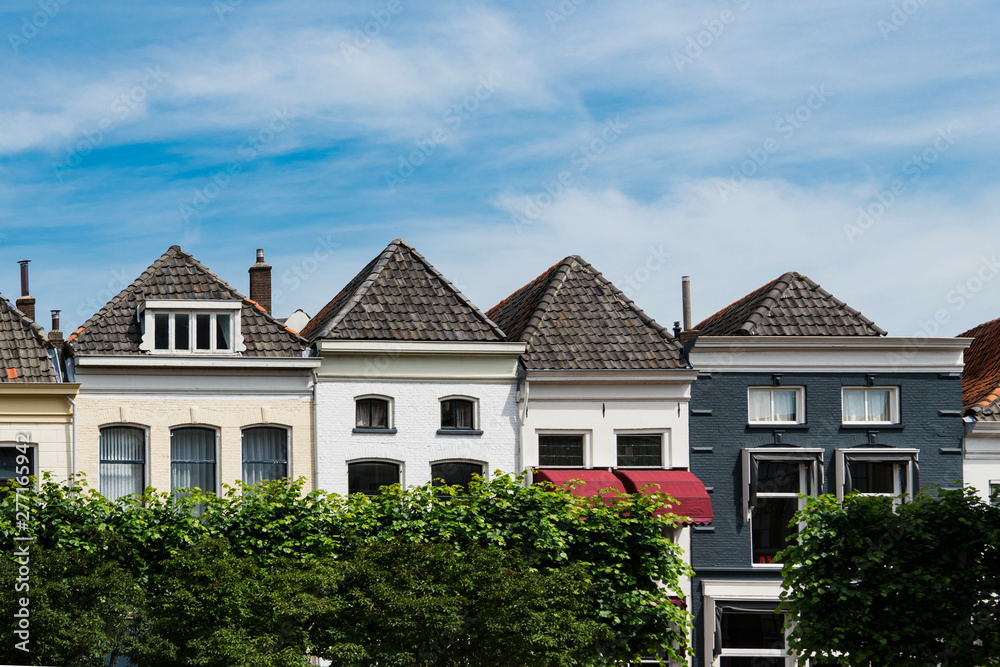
column 24, row 348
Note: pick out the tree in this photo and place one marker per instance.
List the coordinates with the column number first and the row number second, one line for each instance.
column 869, row 582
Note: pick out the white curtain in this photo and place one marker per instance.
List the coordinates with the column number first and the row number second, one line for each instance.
column 784, row 405
column 854, row 406
column 192, row 459
column 265, row 454
column 878, row 405
column 760, row 406
column 123, row 461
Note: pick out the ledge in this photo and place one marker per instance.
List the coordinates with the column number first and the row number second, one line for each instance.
column 374, row 431
column 459, row 431
column 871, row 427
column 803, row 426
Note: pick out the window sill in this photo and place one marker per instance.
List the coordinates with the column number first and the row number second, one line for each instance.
column 459, row 431
column 882, row 426
column 778, row 425
column 374, row 431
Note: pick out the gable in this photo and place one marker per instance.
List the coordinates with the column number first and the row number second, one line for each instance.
column 24, row 350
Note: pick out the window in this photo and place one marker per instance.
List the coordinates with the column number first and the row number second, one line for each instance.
column 769, row 405
column 877, row 471
column 995, row 491
column 749, row 634
column 455, row 473
column 368, row 477
column 17, row 462
column 458, row 413
column 640, row 451
column 265, row 454
column 774, row 479
column 191, row 327
column 871, row 406
column 560, row 451
column 192, row 459
column 371, row 413
column 123, row 461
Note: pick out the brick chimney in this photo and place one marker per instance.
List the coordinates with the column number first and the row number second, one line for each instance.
column 260, row 282
column 25, row 303
column 55, row 336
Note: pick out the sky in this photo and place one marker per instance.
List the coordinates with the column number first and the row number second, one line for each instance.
column 856, row 142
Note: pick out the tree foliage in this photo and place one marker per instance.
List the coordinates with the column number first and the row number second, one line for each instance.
column 872, row 583
column 420, row 576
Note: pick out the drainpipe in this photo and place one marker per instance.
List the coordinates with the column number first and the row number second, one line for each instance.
column 73, row 469
column 315, row 438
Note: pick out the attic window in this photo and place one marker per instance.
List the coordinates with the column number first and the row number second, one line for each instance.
column 191, row 327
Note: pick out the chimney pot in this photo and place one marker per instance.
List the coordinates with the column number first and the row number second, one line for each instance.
column 55, row 336
column 686, row 296
column 25, row 303
column 260, row 282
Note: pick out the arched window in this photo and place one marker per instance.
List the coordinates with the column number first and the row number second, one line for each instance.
column 458, row 414
column 123, row 461
column 371, row 412
column 192, row 459
column 452, row 473
column 265, row 454
column 368, row 477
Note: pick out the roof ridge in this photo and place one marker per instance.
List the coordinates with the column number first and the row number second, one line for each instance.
column 842, row 304
column 768, row 300
column 461, row 297
column 545, row 300
column 35, row 327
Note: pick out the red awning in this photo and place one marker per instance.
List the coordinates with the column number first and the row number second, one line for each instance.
column 692, row 499
column 594, row 481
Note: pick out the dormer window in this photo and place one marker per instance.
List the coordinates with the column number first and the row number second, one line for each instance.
column 191, row 327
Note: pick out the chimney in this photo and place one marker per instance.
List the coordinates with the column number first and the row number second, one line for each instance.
column 25, row 303
column 55, row 336
column 260, row 282
column 687, row 333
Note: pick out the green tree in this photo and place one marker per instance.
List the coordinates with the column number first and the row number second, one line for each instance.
column 872, row 583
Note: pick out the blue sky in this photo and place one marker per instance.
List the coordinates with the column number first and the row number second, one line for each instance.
column 855, row 142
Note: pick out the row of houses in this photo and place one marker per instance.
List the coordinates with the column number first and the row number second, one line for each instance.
column 180, row 381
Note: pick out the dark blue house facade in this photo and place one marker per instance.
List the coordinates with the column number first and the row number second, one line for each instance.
column 798, row 393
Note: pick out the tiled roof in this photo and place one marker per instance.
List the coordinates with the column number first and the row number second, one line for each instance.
column 400, row 296
column 115, row 330
column 572, row 317
column 981, row 376
column 792, row 305
column 24, row 350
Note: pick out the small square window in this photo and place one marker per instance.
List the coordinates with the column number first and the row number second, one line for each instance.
column 884, row 471
column 995, row 492
column 870, row 406
column 457, row 413
column 371, row 413
column 770, row 405
column 640, row 451
column 560, row 451
column 16, row 462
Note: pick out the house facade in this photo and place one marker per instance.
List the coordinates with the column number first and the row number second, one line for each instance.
column 36, row 405
column 603, row 394
column 981, row 403
column 186, row 383
column 415, row 384
column 798, row 393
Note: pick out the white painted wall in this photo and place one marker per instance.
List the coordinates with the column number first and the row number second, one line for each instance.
column 417, row 418
column 981, row 462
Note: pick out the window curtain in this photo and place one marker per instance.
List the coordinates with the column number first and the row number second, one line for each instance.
column 760, row 406
column 192, row 459
column 878, row 406
column 123, row 461
column 854, row 406
column 371, row 413
column 784, row 406
column 265, row 454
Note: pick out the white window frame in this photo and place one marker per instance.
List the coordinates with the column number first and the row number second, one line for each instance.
column 877, row 455
column 218, row 452
column 664, row 446
column 460, row 397
column 588, row 457
column 810, row 482
column 190, row 308
column 893, row 405
column 146, row 481
column 800, row 404
column 721, row 591
column 390, row 416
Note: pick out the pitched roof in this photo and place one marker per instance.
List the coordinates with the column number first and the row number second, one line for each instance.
column 400, row 296
column 574, row 318
column 115, row 330
column 981, row 376
column 24, row 349
column 792, row 305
